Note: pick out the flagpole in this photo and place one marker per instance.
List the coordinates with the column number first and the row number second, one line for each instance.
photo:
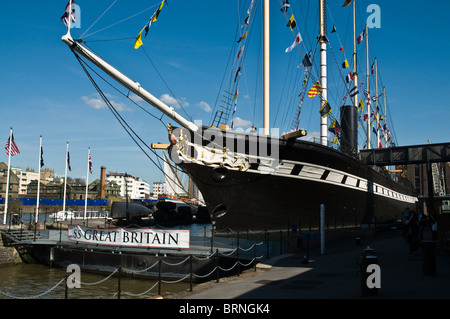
column 39, row 180
column 87, row 183
column 7, row 179
column 355, row 70
column 70, row 19
column 65, row 181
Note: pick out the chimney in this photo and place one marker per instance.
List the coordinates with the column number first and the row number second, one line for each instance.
column 101, row 190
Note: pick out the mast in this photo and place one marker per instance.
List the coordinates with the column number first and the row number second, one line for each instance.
column 323, row 72
column 385, row 116
column 133, row 86
column 368, row 89
column 266, row 69
column 378, row 111
column 355, row 72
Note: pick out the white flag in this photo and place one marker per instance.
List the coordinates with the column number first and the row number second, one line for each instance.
column 298, row 39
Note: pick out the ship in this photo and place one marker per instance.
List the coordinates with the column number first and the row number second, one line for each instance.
column 260, row 181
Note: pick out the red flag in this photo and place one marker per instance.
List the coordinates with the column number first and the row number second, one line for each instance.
column 361, row 37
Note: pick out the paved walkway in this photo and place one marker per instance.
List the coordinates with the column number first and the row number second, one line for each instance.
column 335, row 275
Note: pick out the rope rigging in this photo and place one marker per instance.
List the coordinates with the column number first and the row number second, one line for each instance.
column 133, row 135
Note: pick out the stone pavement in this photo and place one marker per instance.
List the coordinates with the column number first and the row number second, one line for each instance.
column 335, row 274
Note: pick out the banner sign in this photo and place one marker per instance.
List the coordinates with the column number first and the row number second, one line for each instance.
column 139, row 237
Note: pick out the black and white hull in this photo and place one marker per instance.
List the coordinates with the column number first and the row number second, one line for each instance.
column 249, row 191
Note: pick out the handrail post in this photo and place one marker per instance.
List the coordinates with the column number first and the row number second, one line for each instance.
column 237, row 255
column 66, row 290
column 254, row 254
column 190, row 270
column 159, row 277
column 217, row 265
column 118, row 282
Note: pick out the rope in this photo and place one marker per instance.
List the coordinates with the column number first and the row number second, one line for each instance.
column 99, row 18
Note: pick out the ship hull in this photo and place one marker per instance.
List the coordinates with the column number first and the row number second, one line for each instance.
column 291, row 187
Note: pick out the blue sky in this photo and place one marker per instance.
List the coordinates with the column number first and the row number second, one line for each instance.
column 44, row 91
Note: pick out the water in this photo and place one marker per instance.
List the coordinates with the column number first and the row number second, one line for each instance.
column 34, row 281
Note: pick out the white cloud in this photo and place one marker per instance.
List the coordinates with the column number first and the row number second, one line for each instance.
column 96, row 102
column 238, row 122
column 171, row 101
column 204, row 106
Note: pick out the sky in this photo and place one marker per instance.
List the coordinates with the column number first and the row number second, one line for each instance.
column 44, row 91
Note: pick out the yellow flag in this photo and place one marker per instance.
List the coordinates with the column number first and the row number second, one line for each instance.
column 361, row 105
column 155, row 16
column 345, row 64
column 139, row 42
column 315, row 90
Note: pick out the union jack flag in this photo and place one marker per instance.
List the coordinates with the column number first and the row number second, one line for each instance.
column 68, row 14
column 90, row 164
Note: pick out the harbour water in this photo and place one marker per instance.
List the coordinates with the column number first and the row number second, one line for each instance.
column 36, row 281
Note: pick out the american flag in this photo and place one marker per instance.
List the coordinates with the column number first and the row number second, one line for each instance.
column 14, row 149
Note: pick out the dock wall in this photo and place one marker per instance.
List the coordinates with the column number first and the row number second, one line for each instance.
column 8, row 255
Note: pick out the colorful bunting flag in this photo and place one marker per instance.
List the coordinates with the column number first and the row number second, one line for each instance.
column 349, row 78
column 138, row 43
column 325, row 110
column 361, row 105
column 315, row 90
column 360, row 38
column 292, row 24
column 298, row 39
column 285, row 6
column 354, row 91
column 238, row 73
column 241, row 51
column 306, row 62
column 345, row 64
column 346, row 3
column 242, row 37
column 335, row 128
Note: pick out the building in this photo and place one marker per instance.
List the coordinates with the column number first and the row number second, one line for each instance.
column 14, row 182
column 159, row 188
column 25, row 178
column 130, row 186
